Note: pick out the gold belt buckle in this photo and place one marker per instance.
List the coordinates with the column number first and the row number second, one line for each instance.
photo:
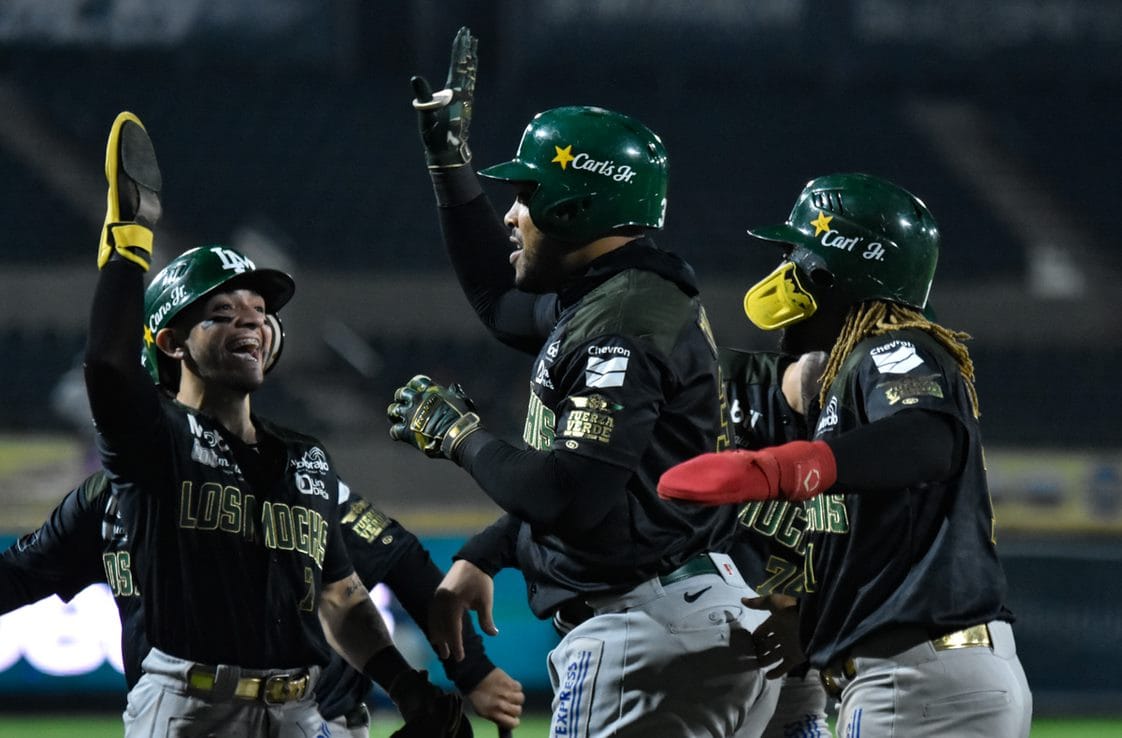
column 284, row 688
column 248, row 688
column 972, row 637
column 200, row 679
column 835, row 680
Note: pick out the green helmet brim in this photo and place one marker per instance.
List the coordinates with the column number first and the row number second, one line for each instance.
column 274, row 286
column 782, row 233
column 511, row 171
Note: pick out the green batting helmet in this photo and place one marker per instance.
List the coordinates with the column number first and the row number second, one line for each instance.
column 195, row 274
column 595, row 171
column 862, row 236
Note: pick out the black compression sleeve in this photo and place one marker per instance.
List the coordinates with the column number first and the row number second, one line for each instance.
column 493, row 548
column 414, row 578
column 120, row 392
column 905, row 449
column 455, row 186
column 479, row 247
column 558, row 491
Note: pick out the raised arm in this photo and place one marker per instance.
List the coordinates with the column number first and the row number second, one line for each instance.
column 122, row 398
column 477, row 241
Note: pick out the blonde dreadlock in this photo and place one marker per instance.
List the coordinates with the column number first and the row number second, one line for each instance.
column 877, row 317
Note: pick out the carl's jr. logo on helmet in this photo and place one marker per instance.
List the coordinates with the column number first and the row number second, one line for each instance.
column 835, row 240
column 607, row 168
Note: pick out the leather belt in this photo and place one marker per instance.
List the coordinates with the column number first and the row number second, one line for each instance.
column 837, row 676
column 276, row 689
column 697, row 565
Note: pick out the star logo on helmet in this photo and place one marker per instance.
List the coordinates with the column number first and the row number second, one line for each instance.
column 148, row 339
column 564, row 156
column 821, row 223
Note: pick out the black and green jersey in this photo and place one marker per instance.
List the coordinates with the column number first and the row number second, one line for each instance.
column 83, row 542
column 627, row 376
column 231, row 545
column 920, row 556
column 768, row 547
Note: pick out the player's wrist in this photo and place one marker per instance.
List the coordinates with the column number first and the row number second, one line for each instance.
column 455, row 186
column 386, row 666
column 806, row 468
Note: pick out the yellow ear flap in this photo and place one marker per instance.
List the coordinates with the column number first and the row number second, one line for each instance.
column 778, row 299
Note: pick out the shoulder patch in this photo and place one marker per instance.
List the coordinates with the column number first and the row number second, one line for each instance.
column 908, row 390
column 896, row 357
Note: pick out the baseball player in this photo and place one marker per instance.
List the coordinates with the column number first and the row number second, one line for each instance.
column 235, row 542
column 624, row 384
column 769, row 398
column 771, row 401
column 83, row 542
column 904, row 606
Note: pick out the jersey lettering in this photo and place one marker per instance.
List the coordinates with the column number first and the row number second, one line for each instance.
column 724, row 438
column 226, row 509
column 827, row 514
column 786, row 577
column 118, row 573
column 779, row 520
column 810, row 584
column 541, row 424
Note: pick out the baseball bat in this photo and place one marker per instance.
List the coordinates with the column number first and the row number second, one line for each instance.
column 505, row 732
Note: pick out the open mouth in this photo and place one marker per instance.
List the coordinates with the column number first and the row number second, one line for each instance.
column 247, row 347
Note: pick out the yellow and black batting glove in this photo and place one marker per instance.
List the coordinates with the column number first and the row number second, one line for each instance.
column 133, row 202
column 432, row 418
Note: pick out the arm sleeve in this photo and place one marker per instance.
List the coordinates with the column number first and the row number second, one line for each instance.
column 493, row 548
column 558, row 491
column 902, row 450
column 414, row 578
column 62, row 557
column 123, row 399
column 479, row 247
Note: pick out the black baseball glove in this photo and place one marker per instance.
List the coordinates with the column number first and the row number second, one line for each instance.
column 444, row 116
column 428, row 712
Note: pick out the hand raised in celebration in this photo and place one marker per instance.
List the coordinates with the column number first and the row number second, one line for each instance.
column 444, row 116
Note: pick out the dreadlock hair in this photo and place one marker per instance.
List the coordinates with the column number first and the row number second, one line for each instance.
column 877, row 317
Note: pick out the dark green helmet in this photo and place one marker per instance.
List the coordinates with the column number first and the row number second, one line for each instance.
column 863, row 236
column 595, row 171
column 193, row 275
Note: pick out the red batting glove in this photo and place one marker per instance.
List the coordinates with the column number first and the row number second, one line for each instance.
column 796, row 471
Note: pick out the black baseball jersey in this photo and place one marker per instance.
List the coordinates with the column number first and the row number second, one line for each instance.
column 231, row 544
column 922, row 556
column 625, row 376
column 83, row 542
column 769, row 544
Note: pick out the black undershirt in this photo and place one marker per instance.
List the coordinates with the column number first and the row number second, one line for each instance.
column 903, row 450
